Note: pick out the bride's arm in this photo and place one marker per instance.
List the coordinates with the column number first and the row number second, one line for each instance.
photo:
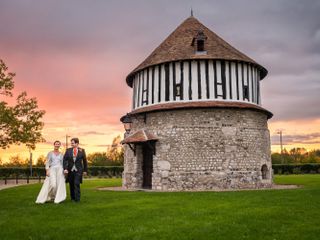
column 48, row 165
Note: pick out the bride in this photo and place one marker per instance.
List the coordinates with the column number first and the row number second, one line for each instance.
column 54, row 187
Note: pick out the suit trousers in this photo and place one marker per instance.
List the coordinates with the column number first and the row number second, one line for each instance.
column 74, row 184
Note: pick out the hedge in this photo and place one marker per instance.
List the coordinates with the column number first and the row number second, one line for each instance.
column 116, row 171
column 109, row 171
column 103, row 171
column 296, row 168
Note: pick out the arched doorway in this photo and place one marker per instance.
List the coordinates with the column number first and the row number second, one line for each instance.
column 264, row 171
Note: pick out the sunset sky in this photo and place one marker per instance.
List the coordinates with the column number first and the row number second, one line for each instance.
column 74, row 55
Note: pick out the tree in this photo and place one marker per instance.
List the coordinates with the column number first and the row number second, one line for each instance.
column 317, row 152
column 297, row 154
column 98, row 159
column 115, row 152
column 113, row 157
column 41, row 161
column 311, row 157
column 17, row 161
column 21, row 123
column 276, row 158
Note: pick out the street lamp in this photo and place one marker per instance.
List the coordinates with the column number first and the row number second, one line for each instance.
column 67, row 136
column 30, row 162
column 281, row 146
column 127, row 122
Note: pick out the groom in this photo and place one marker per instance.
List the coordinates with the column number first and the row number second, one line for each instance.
column 75, row 165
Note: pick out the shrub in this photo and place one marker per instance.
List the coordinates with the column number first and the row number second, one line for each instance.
column 296, row 168
column 23, row 172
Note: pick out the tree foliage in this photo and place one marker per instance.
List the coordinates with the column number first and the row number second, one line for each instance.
column 41, row 161
column 16, row 161
column 115, row 152
column 296, row 155
column 113, row 157
column 102, row 159
column 21, row 123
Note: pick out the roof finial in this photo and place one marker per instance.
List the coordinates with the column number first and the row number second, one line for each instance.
column 191, row 12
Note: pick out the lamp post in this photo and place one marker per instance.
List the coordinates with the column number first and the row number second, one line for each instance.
column 67, row 136
column 281, row 146
column 30, row 162
column 127, row 123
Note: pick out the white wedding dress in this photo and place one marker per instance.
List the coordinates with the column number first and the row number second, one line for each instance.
column 54, row 186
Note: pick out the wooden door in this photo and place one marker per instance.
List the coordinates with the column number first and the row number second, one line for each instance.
column 147, row 166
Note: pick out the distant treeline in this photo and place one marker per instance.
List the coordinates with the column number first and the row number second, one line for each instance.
column 110, row 158
column 24, row 172
column 115, row 157
column 296, row 156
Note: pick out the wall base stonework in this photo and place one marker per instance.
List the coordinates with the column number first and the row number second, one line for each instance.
column 203, row 149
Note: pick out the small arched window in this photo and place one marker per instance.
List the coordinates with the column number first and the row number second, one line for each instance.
column 264, row 171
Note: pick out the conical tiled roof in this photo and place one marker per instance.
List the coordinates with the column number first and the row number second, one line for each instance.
column 178, row 46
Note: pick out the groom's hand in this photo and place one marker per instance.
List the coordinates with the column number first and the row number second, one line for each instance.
column 47, row 173
column 65, row 172
column 84, row 173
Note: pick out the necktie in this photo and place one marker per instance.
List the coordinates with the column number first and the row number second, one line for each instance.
column 74, row 160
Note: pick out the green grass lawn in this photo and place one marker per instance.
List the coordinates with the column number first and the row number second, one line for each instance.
column 267, row 214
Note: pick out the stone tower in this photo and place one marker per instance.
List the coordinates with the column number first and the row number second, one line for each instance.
column 196, row 120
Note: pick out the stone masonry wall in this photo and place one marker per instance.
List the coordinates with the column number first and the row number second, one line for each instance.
column 201, row 149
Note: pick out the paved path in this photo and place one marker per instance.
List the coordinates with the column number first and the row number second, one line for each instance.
column 12, row 183
column 274, row 186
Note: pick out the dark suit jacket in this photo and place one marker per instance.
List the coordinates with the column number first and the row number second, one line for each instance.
column 81, row 161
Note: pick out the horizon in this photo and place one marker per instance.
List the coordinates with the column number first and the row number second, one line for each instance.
column 74, row 60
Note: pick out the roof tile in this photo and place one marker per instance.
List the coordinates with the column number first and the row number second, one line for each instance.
column 178, row 46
